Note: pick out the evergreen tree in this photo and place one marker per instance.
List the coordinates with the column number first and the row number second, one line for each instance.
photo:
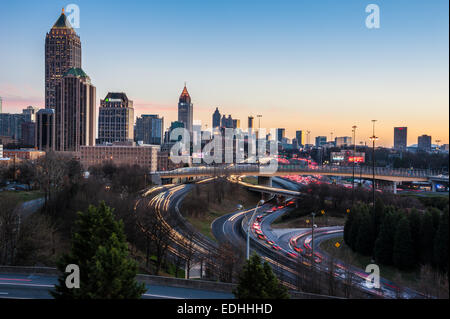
column 348, row 227
column 365, row 239
column 426, row 242
column 414, row 224
column 384, row 244
column 436, row 213
column 99, row 248
column 441, row 257
column 257, row 281
column 354, row 231
column 403, row 255
column 378, row 216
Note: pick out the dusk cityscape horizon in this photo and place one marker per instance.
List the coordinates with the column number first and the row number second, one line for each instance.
column 320, row 115
column 208, row 153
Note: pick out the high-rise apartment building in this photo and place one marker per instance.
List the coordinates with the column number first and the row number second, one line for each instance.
column 424, row 143
column 149, row 129
column 185, row 110
column 400, row 138
column 75, row 111
column 115, row 119
column 45, row 138
column 62, row 52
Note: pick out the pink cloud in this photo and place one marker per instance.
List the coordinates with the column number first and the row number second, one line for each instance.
column 15, row 98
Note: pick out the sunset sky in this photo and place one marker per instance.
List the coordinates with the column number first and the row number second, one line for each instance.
column 309, row 65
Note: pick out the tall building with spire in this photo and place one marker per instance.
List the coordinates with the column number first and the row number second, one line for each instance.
column 185, row 109
column 62, row 52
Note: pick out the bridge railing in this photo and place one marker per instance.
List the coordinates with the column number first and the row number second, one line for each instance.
column 255, row 168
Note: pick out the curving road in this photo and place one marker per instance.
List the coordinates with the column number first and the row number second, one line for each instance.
column 19, row 286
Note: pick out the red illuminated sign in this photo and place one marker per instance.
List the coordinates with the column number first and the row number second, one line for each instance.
column 356, row 159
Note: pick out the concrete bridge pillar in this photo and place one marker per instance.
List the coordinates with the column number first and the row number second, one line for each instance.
column 265, row 181
column 394, row 187
column 433, row 186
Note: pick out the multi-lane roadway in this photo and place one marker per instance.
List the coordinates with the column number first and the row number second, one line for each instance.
column 33, row 286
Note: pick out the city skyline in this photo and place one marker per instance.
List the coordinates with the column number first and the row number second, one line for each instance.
column 278, row 92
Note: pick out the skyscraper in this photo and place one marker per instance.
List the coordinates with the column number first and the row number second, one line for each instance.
column 299, row 138
column 149, row 129
column 343, row 141
column 115, row 119
column 216, row 118
column 62, row 52
column 11, row 125
column 75, row 111
column 400, row 138
column 45, row 129
column 185, row 110
column 250, row 123
column 280, row 134
column 321, row 140
column 30, row 112
column 28, row 131
column 424, row 143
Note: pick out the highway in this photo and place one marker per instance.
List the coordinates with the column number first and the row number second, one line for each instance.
column 19, row 286
column 289, row 245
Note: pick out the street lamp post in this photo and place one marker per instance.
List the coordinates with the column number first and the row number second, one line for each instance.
column 312, row 239
column 249, row 223
column 373, row 138
column 354, row 155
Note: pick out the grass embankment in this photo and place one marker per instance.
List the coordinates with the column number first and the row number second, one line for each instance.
column 347, row 255
column 300, row 222
column 20, row 196
column 201, row 207
column 250, row 179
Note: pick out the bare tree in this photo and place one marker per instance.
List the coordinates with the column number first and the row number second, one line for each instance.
column 157, row 230
column 9, row 230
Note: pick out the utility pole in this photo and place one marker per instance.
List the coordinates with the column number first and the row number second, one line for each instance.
column 373, row 138
column 312, row 239
column 354, row 156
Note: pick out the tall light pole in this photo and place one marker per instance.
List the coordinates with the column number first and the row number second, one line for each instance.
column 312, row 239
column 249, row 223
column 354, row 154
column 373, row 138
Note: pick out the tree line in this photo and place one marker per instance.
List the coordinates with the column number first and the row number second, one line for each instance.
column 404, row 238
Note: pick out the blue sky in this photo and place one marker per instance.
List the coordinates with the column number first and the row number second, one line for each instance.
column 301, row 64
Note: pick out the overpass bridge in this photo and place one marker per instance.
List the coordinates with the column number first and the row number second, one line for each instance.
column 395, row 176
